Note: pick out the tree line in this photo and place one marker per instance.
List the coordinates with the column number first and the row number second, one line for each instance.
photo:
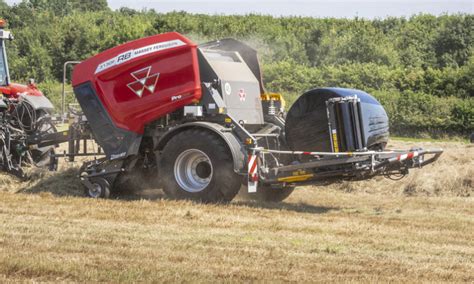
column 421, row 68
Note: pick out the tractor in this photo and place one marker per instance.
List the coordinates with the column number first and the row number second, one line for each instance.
column 24, row 111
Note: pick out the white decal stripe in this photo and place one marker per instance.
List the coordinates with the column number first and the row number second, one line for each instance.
column 134, row 53
column 253, row 170
column 255, row 167
column 252, row 161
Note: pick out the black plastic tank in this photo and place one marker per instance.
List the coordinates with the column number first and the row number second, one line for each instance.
column 336, row 120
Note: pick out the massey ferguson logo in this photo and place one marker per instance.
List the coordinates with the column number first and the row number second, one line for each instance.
column 144, row 81
column 242, row 95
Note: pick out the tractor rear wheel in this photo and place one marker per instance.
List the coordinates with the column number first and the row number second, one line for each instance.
column 197, row 165
column 41, row 156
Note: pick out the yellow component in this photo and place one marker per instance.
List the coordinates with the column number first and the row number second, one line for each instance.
column 275, row 97
column 65, row 133
column 221, row 110
column 62, row 127
column 296, row 178
column 228, row 120
column 335, row 142
column 299, row 173
column 248, row 141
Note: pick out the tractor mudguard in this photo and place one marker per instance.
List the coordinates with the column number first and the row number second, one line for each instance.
column 236, row 148
column 37, row 102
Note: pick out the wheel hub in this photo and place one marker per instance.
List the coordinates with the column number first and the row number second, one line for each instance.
column 95, row 191
column 193, row 170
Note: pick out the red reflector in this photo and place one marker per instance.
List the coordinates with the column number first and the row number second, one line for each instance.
column 254, row 178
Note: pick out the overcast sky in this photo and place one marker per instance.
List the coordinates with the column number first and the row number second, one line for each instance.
column 319, row 8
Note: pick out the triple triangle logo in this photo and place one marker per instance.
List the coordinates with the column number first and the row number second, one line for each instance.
column 144, row 81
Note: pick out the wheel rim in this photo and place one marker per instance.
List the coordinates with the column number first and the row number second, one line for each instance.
column 95, row 191
column 193, row 170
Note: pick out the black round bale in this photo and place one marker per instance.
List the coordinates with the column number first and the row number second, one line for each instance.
column 307, row 127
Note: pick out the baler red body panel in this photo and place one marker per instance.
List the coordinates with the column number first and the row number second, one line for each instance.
column 143, row 80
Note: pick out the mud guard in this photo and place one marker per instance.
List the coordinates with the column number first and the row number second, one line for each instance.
column 38, row 102
column 236, row 148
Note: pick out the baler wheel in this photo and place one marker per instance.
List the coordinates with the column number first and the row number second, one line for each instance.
column 197, row 165
column 100, row 188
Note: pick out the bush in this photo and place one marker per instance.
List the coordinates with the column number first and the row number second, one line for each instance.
column 421, row 68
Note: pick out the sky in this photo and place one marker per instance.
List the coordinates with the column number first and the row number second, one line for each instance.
column 319, row 8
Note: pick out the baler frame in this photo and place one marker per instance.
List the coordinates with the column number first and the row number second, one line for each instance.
column 365, row 164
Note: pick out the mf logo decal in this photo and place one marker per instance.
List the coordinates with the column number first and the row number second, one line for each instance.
column 144, row 81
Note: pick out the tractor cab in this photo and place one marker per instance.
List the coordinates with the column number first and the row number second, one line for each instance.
column 4, row 35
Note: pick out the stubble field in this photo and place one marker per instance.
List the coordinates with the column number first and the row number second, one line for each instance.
column 417, row 229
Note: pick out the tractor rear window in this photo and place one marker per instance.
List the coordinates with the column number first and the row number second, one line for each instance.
column 3, row 66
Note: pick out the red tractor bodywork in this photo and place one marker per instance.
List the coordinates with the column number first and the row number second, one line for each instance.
column 14, row 90
column 161, row 75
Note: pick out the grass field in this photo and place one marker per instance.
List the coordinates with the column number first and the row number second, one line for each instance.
column 417, row 229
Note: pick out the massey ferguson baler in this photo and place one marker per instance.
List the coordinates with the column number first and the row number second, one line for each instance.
column 198, row 122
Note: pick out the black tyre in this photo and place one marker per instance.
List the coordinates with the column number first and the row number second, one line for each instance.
column 41, row 156
column 100, row 188
column 266, row 193
column 197, row 165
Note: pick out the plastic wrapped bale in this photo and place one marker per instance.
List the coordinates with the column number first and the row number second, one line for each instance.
column 336, row 120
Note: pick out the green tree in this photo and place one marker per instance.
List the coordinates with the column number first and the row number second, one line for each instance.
column 3, row 6
column 454, row 43
column 359, row 43
column 420, row 68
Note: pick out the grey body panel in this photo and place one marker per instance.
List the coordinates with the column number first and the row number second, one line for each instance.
column 238, row 86
column 38, row 102
column 248, row 54
column 236, row 148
